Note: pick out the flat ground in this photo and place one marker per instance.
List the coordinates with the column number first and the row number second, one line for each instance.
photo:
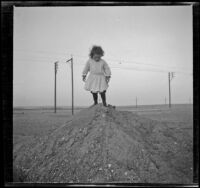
column 36, row 122
column 179, row 113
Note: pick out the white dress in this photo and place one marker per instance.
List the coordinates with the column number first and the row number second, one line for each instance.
column 96, row 81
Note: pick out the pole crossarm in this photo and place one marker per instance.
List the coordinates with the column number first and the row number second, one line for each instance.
column 172, row 75
column 69, row 60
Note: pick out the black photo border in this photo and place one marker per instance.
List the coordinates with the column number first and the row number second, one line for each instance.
column 7, row 18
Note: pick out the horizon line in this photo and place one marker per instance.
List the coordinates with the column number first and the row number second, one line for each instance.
column 78, row 106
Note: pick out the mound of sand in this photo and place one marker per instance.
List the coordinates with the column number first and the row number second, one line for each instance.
column 102, row 144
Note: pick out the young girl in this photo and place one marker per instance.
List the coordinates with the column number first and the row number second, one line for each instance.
column 100, row 74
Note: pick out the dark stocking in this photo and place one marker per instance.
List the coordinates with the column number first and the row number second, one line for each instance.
column 103, row 97
column 95, row 97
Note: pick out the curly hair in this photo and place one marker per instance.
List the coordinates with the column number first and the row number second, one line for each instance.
column 96, row 50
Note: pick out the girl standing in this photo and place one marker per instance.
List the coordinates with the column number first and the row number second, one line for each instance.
column 100, row 74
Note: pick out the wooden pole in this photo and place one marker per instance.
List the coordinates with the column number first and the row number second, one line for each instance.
column 72, row 85
column 169, row 90
column 136, row 102
column 55, row 67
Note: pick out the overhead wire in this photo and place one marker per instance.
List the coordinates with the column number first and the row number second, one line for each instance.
column 120, row 63
column 110, row 59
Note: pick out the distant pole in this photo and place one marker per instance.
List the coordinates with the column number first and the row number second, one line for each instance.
column 136, row 102
column 165, row 101
column 72, row 85
column 170, row 77
column 55, row 68
column 169, row 91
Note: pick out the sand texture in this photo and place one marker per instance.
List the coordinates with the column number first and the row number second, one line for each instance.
column 102, row 145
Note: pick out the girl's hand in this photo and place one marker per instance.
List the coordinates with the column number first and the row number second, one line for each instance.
column 107, row 79
column 84, row 77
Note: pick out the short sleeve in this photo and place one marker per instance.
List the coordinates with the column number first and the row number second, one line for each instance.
column 106, row 69
column 86, row 68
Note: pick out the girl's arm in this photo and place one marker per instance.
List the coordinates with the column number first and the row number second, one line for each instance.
column 107, row 71
column 86, row 70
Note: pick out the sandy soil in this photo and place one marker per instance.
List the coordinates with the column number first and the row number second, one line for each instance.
column 101, row 145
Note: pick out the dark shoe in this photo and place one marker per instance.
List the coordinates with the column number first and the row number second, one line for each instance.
column 104, row 104
column 111, row 106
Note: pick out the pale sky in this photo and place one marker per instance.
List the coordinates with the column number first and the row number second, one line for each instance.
column 141, row 43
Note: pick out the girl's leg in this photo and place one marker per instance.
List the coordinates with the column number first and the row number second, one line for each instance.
column 95, row 97
column 103, row 97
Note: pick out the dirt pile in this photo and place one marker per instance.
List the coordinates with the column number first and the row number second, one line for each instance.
column 105, row 145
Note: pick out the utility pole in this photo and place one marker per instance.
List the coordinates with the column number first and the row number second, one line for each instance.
column 72, row 85
column 169, row 90
column 165, row 101
column 136, row 102
column 55, row 69
column 170, row 77
column 72, row 79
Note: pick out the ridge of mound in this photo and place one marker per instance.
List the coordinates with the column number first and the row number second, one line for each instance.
column 102, row 144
